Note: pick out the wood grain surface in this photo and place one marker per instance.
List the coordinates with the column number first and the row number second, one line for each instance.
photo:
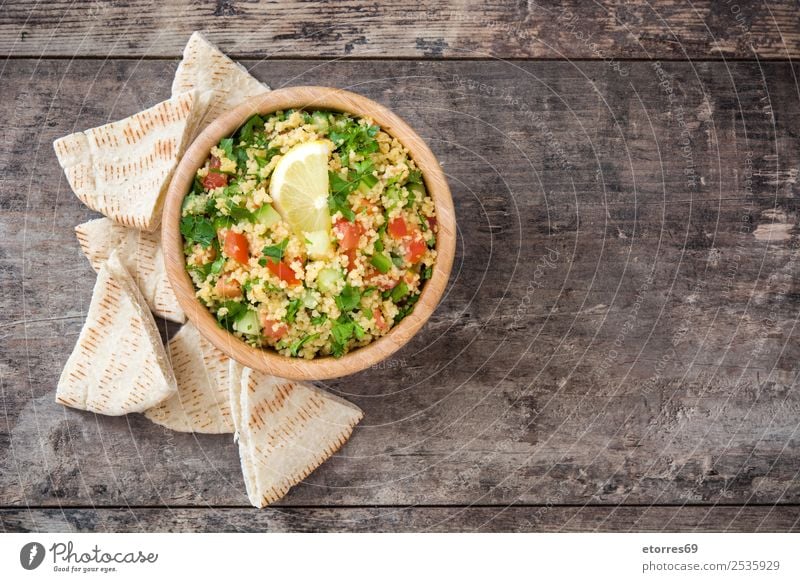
column 542, row 518
column 571, row 29
column 620, row 327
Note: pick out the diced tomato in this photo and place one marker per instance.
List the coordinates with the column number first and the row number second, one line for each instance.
column 227, row 287
column 282, row 271
column 398, row 228
column 380, row 322
column 415, row 249
column 236, row 246
column 272, row 329
column 214, row 180
column 351, row 259
column 347, row 233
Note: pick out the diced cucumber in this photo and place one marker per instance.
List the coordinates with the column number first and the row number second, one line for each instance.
column 418, row 189
column 267, row 215
column 329, row 280
column 318, row 244
column 248, row 323
column 393, row 194
column 320, row 120
column 310, row 299
column 381, row 262
column 400, row 291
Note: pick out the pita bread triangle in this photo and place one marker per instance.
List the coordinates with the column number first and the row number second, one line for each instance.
column 235, row 370
column 140, row 252
column 122, row 169
column 285, row 430
column 206, row 68
column 119, row 364
column 201, row 403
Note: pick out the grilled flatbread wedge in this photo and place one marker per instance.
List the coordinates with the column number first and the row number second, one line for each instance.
column 140, row 252
column 122, row 169
column 285, row 430
column 205, row 67
column 201, row 404
column 119, row 364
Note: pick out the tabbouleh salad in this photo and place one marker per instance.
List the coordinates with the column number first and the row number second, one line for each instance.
column 309, row 232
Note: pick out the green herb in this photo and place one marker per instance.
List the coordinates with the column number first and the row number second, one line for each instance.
column 349, row 136
column 406, row 308
column 217, row 265
column 319, row 319
column 239, row 213
column 274, row 252
column 410, row 200
column 341, row 188
column 291, row 310
column 379, row 245
column 427, row 273
column 337, row 202
column 247, row 130
column 349, row 298
column 340, row 335
column 414, row 177
column 198, row 229
column 297, row 344
column 368, row 291
column 226, row 145
column 235, row 309
column 197, row 185
column 397, row 260
column 240, row 154
column 222, row 222
column 202, row 270
column 423, row 222
column 358, row 331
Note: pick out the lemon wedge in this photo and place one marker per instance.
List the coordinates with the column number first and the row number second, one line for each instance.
column 299, row 190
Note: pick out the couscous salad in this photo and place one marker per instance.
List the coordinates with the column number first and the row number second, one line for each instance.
column 309, row 232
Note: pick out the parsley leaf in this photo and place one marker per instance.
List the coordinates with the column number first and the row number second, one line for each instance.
column 197, row 229
column 226, row 145
column 249, row 128
column 239, row 213
column 297, row 344
column 349, row 299
column 274, row 252
column 235, row 310
column 291, row 310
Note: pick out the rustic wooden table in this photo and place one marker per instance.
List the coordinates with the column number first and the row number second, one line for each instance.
column 618, row 348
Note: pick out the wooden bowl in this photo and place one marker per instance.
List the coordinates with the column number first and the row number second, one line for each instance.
column 266, row 359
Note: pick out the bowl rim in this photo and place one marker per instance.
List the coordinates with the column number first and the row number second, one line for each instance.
column 266, row 359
